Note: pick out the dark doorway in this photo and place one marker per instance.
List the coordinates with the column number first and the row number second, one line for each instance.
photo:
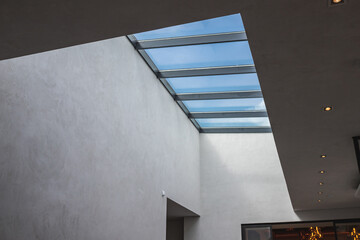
column 175, row 215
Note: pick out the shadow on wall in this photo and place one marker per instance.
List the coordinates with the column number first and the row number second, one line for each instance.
column 179, row 220
column 241, row 182
column 242, row 178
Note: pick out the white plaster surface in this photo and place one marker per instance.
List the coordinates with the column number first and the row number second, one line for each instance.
column 89, row 139
column 242, row 182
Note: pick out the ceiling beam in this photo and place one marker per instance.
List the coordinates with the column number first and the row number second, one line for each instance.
column 218, row 95
column 190, row 40
column 236, row 130
column 241, row 114
column 238, row 69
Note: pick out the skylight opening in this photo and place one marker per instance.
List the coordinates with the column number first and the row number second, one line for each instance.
column 224, row 105
column 215, row 83
column 226, row 24
column 208, row 68
column 234, row 122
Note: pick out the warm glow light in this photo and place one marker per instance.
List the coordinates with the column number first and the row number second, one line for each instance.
column 322, row 172
column 336, row 1
column 323, row 156
column 354, row 234
column 321, row 183
column 319, row 200
column 328, row 108
column 320, row 193
column 315, row 233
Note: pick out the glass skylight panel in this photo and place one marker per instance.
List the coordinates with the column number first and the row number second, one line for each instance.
column 223, row 105
column 200, row 56
column 209, row 70
column 233, row 122
column 231, row 23
column 216, row 83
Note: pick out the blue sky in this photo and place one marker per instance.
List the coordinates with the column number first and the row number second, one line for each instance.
column 231, row 23
column 204, row 55
column 216, row 83
column 222, row 105
column 234, row 122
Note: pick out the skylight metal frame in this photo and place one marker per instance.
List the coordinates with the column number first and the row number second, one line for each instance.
column 142, row 45
column 236, row 130
column 191, row 40
column 218, row 95
column 233, row 114
column 194, row 72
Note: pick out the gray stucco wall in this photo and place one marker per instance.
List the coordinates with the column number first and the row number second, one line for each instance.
column 242, row 182
column 89, row 138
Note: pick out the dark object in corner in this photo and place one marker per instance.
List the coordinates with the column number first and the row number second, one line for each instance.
column 357, row 149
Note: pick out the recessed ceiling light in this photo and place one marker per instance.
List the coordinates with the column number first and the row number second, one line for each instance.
column 323, row 156
column 319, row 201
column 320, row 193
column 327, row 108
column 322, row 172
column 333, row 3
column 321, row 183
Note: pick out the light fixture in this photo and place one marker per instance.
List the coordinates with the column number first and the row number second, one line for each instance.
column 315, row 232
column 321, row 183
column 323, row 156
column 356, row 141
column 354, row 234
column 333, row 3
column 319, row 201
column 327, row 108
column 320, row 193
column 322, row 172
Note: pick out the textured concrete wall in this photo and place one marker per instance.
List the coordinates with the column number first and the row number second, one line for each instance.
column 242, row 182
column 89, row 138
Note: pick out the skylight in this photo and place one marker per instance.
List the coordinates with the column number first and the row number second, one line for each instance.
column 208, row 68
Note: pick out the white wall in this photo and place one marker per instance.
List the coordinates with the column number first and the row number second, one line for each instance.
column 242, row 182
column 89, row 138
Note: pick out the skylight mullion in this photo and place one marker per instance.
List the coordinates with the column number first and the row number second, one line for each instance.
column 218, row 95
column 237, row 130
column 191, row 40
column 168, row 86
column 196, row 124
column 186, row 111
column 234, row 114
column 148, row 60
column 191, row 72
